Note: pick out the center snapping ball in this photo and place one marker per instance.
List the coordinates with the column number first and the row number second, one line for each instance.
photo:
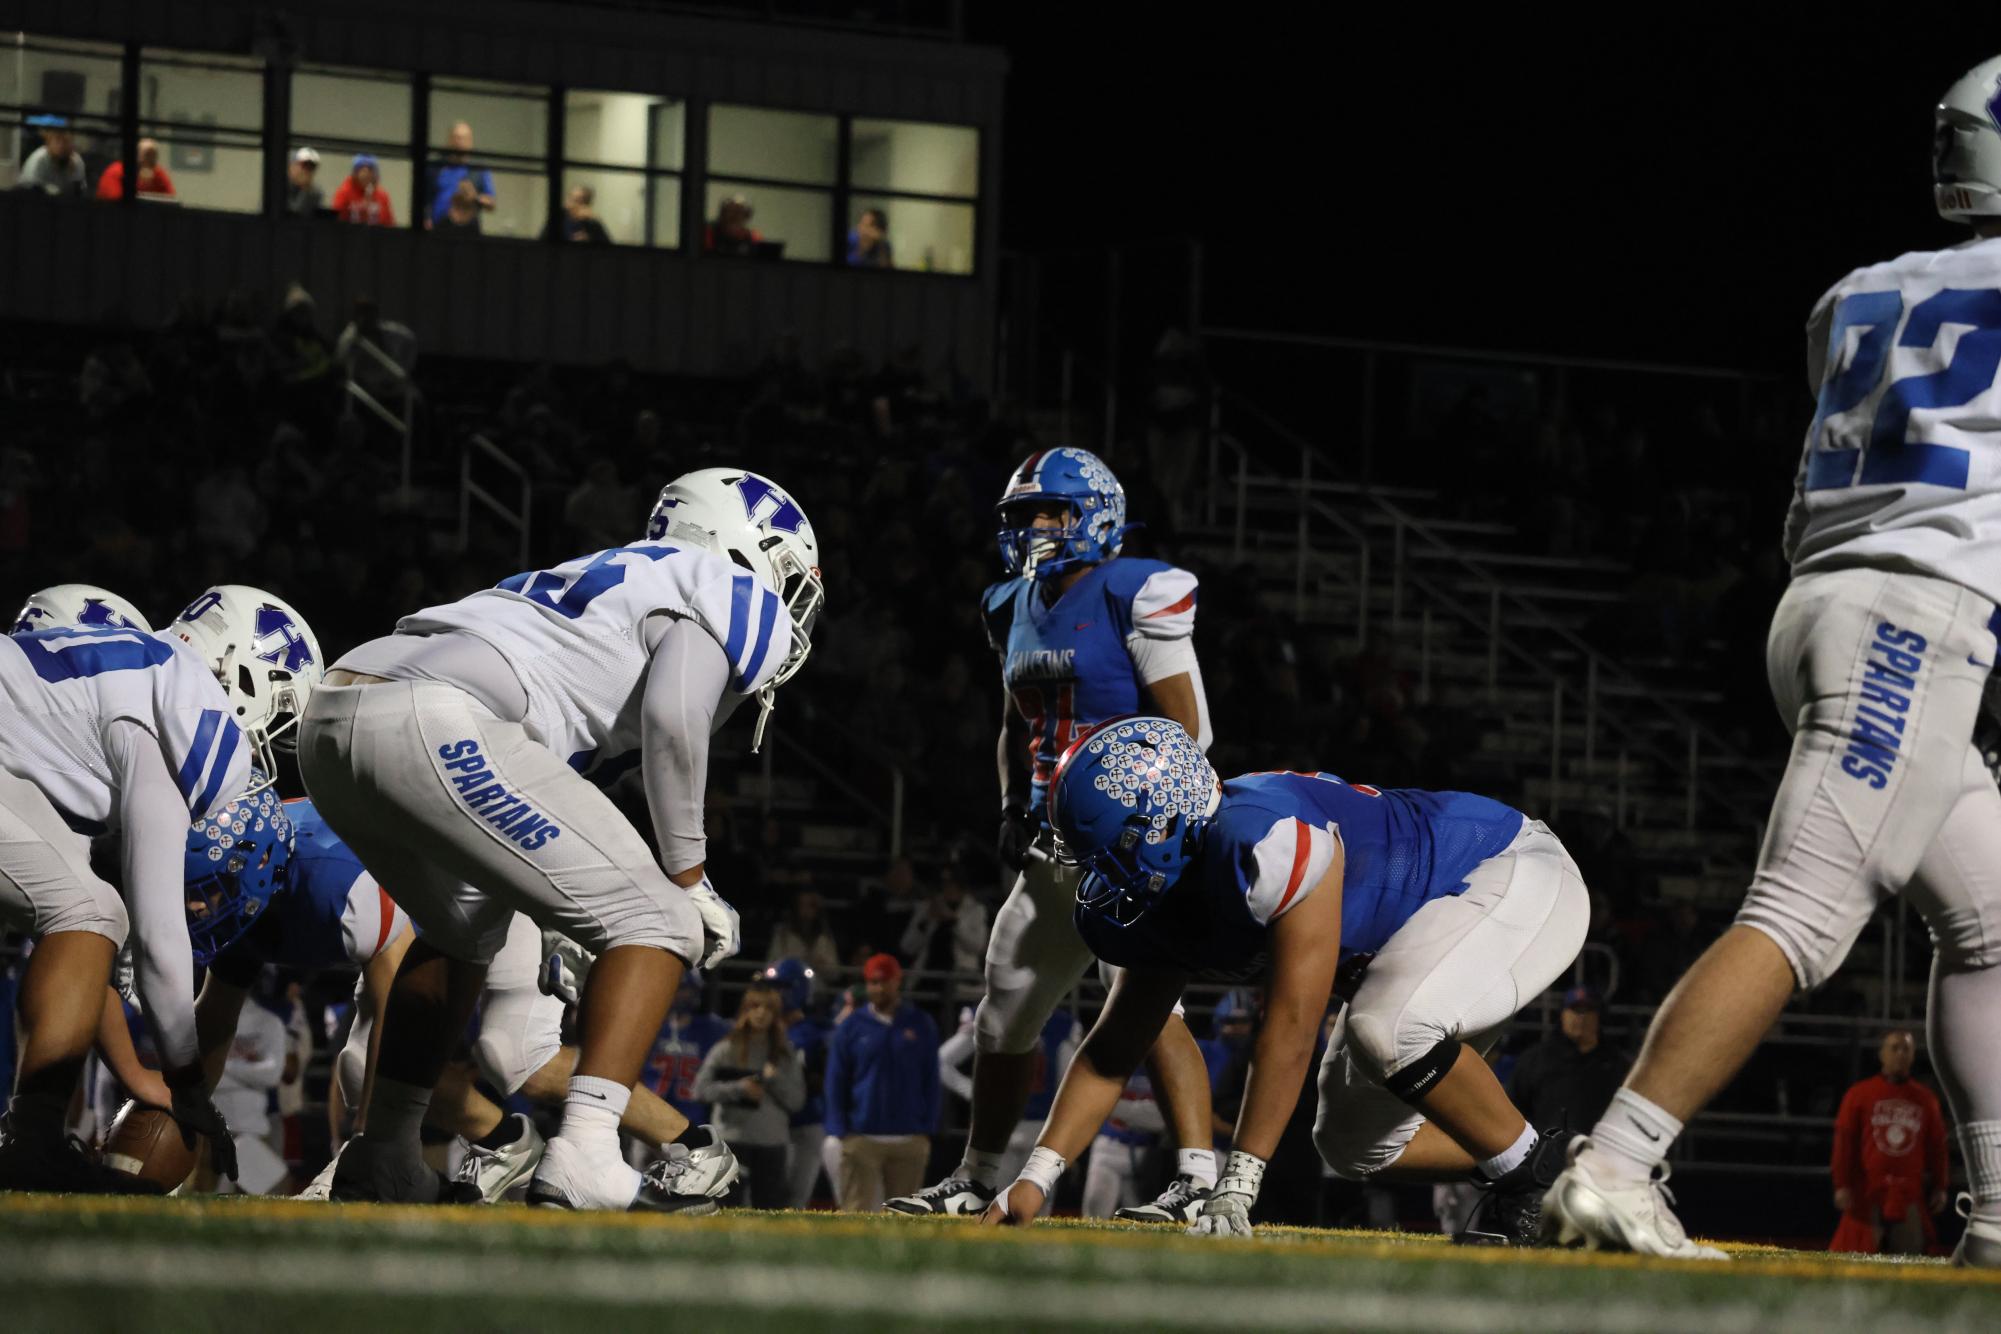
column 145, row 1143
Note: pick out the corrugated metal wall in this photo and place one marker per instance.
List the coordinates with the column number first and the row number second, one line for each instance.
column 84, row 263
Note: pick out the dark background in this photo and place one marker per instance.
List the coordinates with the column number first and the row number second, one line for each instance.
column 1620, row 191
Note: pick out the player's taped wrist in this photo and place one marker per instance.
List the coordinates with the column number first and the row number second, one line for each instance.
column 1243, row 1174
column 1043, row 1168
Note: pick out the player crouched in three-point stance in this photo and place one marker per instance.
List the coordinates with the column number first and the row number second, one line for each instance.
column 108, row 729
column 1878, row 655
column 1453, row 911
column 449, row 756
column 1084, row 635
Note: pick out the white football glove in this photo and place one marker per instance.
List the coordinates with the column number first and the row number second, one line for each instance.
column 564, row 963
column 1225, row 1215
column 721, row 931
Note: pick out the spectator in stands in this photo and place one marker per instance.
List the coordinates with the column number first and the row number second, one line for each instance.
column 302, row 196
column 576, row 222
column 1567, row 1080
column 361, row 198
column 153, row 178
column 948, row 933
column 599, row 511
column 451, row 173
column 868, row 241
column 684, row 1039
column 805, row 934
column 56, row 167
column 882, row 1091
column 461, row 213
column 883, row 909
column 1890, row 1167
column 731, row 233
column 228, row 516
column 754, row 1081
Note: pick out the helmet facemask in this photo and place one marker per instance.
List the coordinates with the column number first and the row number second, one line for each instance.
column 1036, row 551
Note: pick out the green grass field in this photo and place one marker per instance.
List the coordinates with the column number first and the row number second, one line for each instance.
column 286, row 1268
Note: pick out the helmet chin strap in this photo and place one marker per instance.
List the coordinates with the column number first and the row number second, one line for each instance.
column 767, row 702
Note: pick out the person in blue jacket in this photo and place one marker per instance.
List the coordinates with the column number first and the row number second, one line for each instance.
column 882, row 1091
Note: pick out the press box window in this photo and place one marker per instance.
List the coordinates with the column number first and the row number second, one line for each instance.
column 206, row 113
column 781, row 166
column 922, row 180
column 507, row 127
column 342, row 114
column 53, row 89
column 627, row 150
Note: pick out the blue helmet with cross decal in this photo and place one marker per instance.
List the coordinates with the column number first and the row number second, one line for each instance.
column 1129, row 803
column 1076, row 483
column 266, row 657
column 236, row 862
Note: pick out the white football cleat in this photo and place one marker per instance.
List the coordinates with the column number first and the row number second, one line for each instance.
column 495, row 1172
column 952, row 1196
column 1181, row 1202
column 1582, row 1208
column 684, row 1180
column 1980, row 1245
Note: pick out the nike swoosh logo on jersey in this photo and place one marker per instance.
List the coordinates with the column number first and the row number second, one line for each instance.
column 1653, row 1135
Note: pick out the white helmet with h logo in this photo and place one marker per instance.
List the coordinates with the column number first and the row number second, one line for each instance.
column 1966, row 147
column 63, row 606
column 750, row 520
column 265, row 656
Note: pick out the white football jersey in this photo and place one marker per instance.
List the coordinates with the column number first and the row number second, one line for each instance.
column 60, row 689
column 1902, row 467
column 576, row 636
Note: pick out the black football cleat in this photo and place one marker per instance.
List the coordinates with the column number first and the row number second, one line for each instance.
column 372, row 1172
column 1509, row 1212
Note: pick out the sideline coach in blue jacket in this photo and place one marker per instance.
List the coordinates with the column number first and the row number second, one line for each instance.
column 882, row 1091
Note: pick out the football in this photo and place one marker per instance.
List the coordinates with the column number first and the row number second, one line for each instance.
column 146, row 1143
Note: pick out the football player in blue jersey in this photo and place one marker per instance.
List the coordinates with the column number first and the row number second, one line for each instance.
column 1084, row 634
column 1444, row 912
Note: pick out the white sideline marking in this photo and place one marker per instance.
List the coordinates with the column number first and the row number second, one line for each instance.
column 940, row 1295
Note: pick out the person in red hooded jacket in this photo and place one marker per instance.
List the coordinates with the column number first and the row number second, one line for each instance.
column 1890, row 1170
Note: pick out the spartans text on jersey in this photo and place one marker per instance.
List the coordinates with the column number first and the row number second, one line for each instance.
column 485, row 797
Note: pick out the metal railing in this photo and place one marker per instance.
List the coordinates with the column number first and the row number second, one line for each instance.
column 517, row 517
column 403, row 423
column 889, row 817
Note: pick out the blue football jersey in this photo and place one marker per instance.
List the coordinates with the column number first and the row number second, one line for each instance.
column 1048, row 1074
column 1272, row 840
column 676, row 1059
column 331, row 913
column 809, row 1038
column 1067, row 664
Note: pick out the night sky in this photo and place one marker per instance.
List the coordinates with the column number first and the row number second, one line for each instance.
column 1679, row 199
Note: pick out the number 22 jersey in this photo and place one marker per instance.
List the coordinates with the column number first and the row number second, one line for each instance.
column 1069, row 665
column 1902, row 466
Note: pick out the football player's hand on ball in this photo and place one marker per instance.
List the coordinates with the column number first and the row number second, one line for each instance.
column 721, row 931
column 1227, row 1214
column 196, row 1115
column 1017, row 1206
column 1017, row 835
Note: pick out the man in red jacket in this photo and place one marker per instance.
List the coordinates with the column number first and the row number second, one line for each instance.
column 1889, row 1140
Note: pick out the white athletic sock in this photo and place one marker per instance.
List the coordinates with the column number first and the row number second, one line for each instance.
column 396, row 1111
column 1199, row 1165
column 1632, row 1138
column 1508, row 1159
column 1980, row 1146
column 591, row 1115
column 981, row 1167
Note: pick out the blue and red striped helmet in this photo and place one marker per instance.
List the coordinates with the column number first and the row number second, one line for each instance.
column 1129, row 803
column 1076, row 481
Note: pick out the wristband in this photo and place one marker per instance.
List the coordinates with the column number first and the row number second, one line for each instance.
column 1042, row 1169
column 1243, row 1174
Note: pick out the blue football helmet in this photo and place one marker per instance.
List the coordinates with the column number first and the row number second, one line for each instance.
column 1077, row 481
column 794, row 982
column 1130, row 802
column 236, row 864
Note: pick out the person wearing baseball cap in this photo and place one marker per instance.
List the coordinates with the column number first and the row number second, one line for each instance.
column 1569, row 1078
column 882, row 1091
column 303, row 195
column 361, row 197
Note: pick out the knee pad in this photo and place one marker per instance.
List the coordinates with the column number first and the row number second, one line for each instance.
column 1350, row 1156
column 1417, row 1078
column 1009, row 1021
column 351, row 1065
column 95, row 908
column 519, row 1033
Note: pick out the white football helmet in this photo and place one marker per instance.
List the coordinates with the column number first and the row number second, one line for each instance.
column 62, row 606
column 749, row 519
column 1966, row 148
column 266, row 657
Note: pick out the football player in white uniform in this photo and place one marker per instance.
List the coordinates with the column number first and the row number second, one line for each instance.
column 83, row 605
column 1878, row 655
column 103, row 730
column 449, row 756
column 1083, row 634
